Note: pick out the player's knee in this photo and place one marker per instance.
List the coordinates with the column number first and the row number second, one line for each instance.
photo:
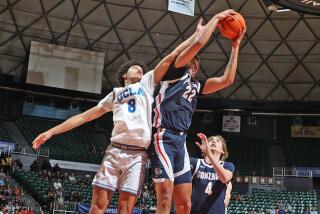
column 97, row 208
column 125, row 207
column 165, row 200
column 184, row 206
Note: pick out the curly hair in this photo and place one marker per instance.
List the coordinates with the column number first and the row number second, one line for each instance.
column 125, row 67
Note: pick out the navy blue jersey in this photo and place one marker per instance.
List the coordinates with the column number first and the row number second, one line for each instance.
column 176, row 100
column 208, row 192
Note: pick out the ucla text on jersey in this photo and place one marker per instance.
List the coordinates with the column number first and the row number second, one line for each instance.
column 129, row 92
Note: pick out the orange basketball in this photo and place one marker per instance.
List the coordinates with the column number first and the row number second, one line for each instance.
column 230, row 27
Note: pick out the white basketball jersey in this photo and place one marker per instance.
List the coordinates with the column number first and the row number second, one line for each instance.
column 132, row 111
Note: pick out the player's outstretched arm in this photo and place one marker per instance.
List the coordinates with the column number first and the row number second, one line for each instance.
column 163, row 66
column 202, row 37
column 217, row 83
column 224, row 175
column 69, row 124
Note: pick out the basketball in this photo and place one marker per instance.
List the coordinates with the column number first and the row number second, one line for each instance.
column 230, row 27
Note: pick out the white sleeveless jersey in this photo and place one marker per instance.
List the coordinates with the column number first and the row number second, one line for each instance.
column 132, row 111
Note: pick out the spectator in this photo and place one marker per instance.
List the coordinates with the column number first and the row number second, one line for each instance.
column 88, row 179
column 44, row 175
column 50, row 177
column 30, row 211
column 3, row 175
column 282, row 207
column 17, row 192
column 72, row 178
column 56, row 168
column 16, row 166
column 23, row 211
column 238, row 197
column 34, row 166
column 7, row 163
column 45, row 165
column 57, row 175
column 65, row 176
column 307, row 211
column 82, row 182
column 314, row 210
column 59, row 197
column 57, row 184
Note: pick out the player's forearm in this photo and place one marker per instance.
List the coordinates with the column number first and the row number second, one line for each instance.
column 183, row 45
column 67, row 125
column 205, row 33
column 223, row 174
column 78, row 120
column 231, row 69
column 162, row 68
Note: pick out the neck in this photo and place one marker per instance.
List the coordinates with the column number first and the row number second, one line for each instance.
column 215, row 156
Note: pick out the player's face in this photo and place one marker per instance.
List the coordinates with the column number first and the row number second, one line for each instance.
column 216, row 145
column 193, row 66
column 134, row 74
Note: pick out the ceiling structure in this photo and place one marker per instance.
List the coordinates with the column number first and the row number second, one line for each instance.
column 279, row 58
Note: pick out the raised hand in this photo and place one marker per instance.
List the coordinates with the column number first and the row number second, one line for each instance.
column 41, row 139
column 236, row 42
column 199, row 26
column 224, row 14
column 204, row 146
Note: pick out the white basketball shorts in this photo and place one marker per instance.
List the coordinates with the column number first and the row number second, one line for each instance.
column 122, row 170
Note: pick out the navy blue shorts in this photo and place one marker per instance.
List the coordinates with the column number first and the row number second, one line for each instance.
column 171, row 158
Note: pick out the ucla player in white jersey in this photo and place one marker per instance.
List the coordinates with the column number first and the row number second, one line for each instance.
column 211, row 177
column 123, row 165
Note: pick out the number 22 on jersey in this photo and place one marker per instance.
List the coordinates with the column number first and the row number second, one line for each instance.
column 189, row 93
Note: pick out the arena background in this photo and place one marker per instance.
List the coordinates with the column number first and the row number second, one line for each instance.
column 269, row 116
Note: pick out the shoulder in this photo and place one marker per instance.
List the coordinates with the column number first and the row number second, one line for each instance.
column 228, row 165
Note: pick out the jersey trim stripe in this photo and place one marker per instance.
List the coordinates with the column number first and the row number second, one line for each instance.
column 158, row 101
column 186, row 167
column 197, row 167
column 163, row 157
column 157, row 111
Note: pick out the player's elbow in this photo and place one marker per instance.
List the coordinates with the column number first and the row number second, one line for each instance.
column 198, row 43
column 225, row 179
column 228, row 81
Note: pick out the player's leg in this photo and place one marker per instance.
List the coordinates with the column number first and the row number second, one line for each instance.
column 105, row 181
column 162, row 167
column 182, row 197
column 131, row 179
column 182, row 182
column 126, row 202
column 164, row 190
column 100, row 200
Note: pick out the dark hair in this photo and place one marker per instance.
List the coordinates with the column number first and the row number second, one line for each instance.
column 197, row 57
column 125, row 67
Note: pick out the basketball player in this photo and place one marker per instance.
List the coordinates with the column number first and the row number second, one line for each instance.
column 211, row 176
column 174, row 107
column 123, row 165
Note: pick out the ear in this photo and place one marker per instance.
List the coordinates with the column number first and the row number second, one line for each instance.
column 124, row 76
